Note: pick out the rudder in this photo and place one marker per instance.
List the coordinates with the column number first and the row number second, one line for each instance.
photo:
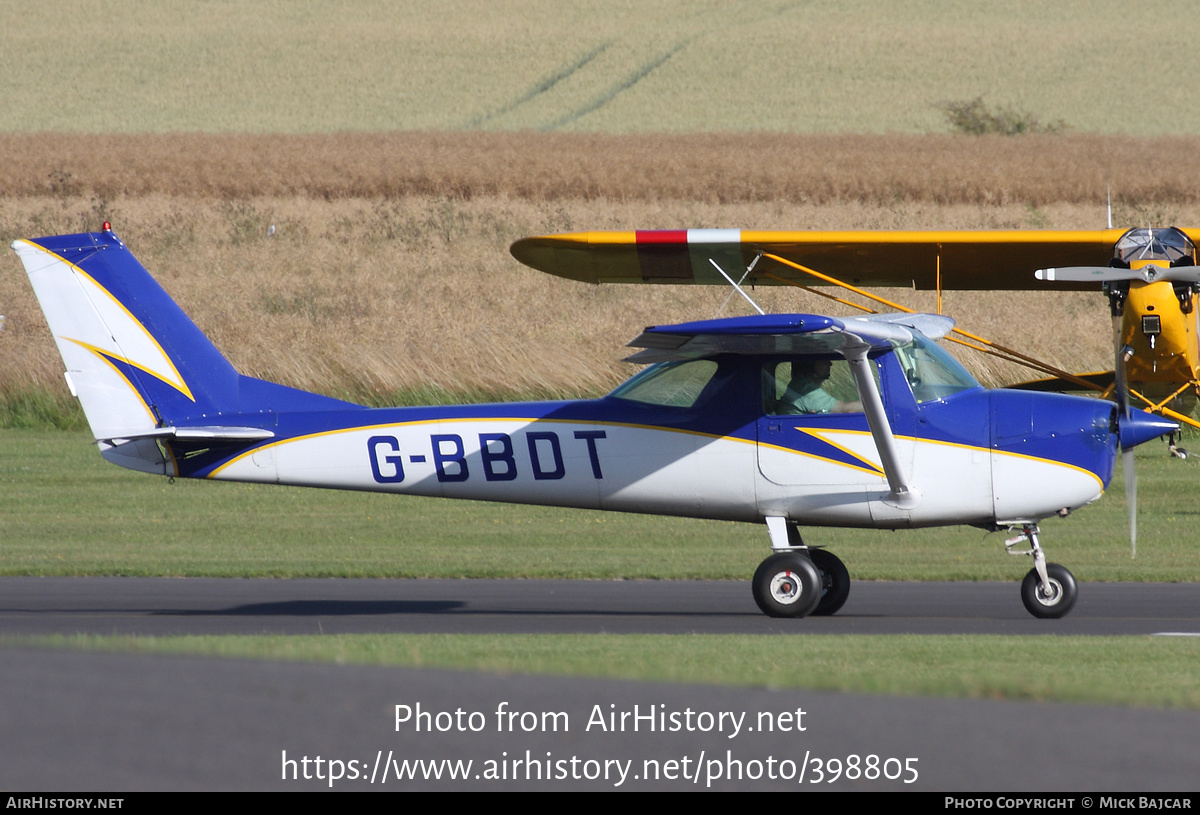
column 133, row 358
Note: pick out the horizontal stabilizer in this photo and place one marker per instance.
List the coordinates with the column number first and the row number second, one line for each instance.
column 214, row 434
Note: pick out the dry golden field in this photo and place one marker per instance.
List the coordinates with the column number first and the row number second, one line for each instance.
column 887, row 171
column 388, row 274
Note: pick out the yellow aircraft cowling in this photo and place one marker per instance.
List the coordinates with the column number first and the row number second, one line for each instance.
column 1168, row 356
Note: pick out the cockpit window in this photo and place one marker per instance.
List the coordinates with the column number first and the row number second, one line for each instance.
column 809, row 385
column 1145, row 243
column 932, row 373
column 671, row 384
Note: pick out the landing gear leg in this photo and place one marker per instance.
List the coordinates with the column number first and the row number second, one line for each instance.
column 1049, row 590
column 1173, row 448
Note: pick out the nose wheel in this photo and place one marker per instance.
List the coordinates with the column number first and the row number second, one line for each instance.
column 1049, row 590
column 1055, row 598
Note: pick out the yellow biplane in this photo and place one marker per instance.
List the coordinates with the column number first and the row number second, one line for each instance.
column 1148, row 274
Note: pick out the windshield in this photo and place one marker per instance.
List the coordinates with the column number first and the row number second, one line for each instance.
column 1169, row 244
column 672, row 384
column 931, row 372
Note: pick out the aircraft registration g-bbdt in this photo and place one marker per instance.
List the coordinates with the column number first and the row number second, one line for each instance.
column 783, row 420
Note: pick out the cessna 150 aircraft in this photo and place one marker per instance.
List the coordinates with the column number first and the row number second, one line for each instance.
column 738, row 419
column 1149, row 275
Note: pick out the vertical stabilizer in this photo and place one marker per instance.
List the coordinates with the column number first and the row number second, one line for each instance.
column 133, row 358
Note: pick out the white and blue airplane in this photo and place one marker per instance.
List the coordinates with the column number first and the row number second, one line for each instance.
column 786, row 420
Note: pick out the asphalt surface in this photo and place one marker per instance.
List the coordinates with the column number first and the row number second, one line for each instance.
column 99, row 722
column 167, row 606
column 73, row 720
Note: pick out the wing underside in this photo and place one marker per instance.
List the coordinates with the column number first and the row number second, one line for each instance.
column 999, row 260
column 1098, row 381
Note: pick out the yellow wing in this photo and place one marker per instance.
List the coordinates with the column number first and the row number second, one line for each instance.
column 979, row 260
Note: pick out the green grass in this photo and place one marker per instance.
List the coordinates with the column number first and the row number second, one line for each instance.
column 65, row 511
column 39, row 409
column 678, row 65
column 1132, row 671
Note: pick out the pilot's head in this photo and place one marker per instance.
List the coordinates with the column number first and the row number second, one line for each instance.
column 814, row 370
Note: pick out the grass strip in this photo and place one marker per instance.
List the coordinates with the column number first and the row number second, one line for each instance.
column 1129, row 671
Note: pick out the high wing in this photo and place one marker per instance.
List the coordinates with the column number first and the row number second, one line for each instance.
column 963, row 260
column 783, row 334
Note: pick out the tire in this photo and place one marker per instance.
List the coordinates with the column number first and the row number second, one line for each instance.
column 787, row 585
column 1053, row 607
column 835, row 581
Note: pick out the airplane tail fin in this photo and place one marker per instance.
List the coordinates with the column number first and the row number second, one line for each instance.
column 139, row 366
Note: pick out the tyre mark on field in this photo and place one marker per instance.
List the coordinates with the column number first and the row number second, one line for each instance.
column 649, row 67
column 622, row 86
column 542, row 87
column 551, row 83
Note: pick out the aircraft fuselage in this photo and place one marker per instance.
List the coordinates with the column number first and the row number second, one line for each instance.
column 980, row 457
column 1162, row 331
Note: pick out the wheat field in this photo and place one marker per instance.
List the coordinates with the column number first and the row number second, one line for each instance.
column 1146, row 175
column 674, row 66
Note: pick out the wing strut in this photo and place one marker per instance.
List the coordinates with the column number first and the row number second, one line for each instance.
column 939, row 278
column 1160, row 407
column 736, row 287
column 902, row 494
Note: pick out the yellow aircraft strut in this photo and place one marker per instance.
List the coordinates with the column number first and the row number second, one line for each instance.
column 971, row 345
column 992, row 348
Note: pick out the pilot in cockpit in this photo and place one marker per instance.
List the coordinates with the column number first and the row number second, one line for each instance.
column 804, row 393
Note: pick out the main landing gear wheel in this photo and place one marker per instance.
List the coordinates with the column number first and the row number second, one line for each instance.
column 1054, row 602
column 787, row 585
column 835, row 581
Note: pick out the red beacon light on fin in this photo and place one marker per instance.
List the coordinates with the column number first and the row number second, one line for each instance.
column 107, row 227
